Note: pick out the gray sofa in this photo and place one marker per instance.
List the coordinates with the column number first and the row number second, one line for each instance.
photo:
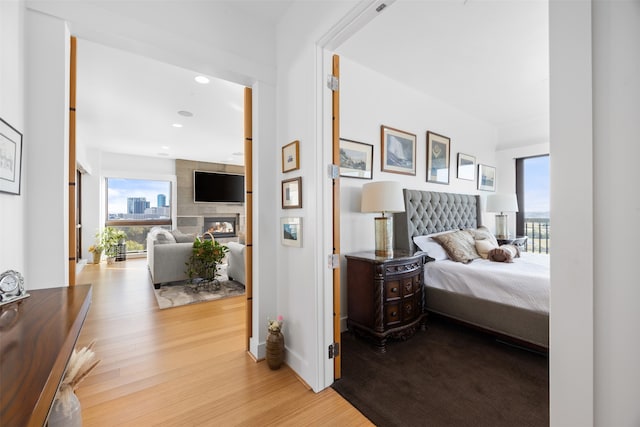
column 168, row 253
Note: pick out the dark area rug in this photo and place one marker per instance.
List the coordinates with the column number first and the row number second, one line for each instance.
column 448, row 375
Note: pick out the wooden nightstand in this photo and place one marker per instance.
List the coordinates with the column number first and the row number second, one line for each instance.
column 385, row 295
column 519, row 241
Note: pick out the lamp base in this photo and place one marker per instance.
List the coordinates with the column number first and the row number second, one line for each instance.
column 384, row 236
column 502, row 227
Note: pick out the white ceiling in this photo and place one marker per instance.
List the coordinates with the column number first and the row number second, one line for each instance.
column 128, row 104
column 487, row 58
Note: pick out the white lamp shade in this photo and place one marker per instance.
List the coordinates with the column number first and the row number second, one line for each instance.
column 502, row 203
column 382, row 196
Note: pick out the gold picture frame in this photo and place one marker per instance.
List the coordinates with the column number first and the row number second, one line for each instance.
column 291, row 156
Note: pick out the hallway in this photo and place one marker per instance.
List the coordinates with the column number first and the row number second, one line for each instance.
column 185, row 365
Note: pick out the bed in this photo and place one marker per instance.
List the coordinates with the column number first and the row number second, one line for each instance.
column 490, row 305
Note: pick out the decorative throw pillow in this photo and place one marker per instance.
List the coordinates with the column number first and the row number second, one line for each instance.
column 161, row 235
column 432, row 248
column 181, row 237
column 483, row 233
column 505, row 253
column 460, row 245
column 484, row 246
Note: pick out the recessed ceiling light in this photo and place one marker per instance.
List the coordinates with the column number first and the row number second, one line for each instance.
column 165, row 147
column 184, row 113
column 202, row 80
column 176, row 125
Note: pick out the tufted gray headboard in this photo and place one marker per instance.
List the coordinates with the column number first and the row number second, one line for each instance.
column 429, row 212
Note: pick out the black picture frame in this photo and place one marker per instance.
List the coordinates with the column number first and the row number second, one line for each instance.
column 10, row 158
column 438, row 158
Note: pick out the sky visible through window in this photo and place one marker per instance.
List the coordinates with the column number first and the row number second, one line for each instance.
column 536, row 187
column 122, row 188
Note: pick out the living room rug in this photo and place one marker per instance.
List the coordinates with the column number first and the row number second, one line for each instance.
column 180, row 293
column 447, row 375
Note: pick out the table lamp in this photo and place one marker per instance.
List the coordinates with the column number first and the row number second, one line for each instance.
column 384, row 197
column 502, row 203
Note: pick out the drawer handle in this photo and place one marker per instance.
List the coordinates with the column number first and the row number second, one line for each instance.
column 394, row 289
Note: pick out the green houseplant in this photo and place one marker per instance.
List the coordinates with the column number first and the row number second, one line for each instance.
column 109, row 239
column 204, row 259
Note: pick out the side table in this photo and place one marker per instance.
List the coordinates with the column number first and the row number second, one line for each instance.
column 385, row 295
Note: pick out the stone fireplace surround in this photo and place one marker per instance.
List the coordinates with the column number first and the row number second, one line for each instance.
column 191, row 216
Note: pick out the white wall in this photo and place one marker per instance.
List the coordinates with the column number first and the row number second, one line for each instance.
column 367, row 100
column 47, row 148
column 616, row 174
column 571, row 162
column 266, row 199
column 303, row 275
column 12, row 102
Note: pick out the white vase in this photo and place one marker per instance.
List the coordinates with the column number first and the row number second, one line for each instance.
column 72, row 417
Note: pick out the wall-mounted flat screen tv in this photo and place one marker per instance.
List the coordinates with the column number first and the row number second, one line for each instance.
column 218, row 187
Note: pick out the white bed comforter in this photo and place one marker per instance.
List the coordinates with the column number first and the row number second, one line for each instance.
column 523, row 283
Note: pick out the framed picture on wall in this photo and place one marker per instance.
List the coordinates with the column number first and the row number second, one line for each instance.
column 292, row 193
column 486, row 178
column 438, row 149
column 356, row 159
column 398, row 151
column 291, row 232
column 466, row 167
column 10, row 158
column 291, row 156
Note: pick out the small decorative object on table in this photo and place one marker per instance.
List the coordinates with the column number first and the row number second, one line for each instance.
column 202, row 267
column 96, row 250
column 11, row 287
column 275, row 344
column 65, row 411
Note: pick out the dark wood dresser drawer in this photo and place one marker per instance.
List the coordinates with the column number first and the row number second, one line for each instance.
column 385, row 295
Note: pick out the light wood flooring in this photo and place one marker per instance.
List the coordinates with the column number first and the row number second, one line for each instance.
column 185, row 366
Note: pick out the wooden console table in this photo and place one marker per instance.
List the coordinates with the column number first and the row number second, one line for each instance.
column 37, row 337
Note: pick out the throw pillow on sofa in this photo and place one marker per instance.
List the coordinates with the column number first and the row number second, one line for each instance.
column 161, row 235
column 181, row 237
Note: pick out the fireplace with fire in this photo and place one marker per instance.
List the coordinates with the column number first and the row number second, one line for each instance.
column 221, row 226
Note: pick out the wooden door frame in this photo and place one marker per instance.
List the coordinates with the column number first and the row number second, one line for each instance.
column 71, row 206
column 248, row 180
column 335, row 147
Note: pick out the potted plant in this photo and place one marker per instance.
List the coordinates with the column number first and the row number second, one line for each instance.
column 96, row 250
column 203, row 262
column 110, row 238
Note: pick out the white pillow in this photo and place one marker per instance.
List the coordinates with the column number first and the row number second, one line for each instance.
column 431, row 247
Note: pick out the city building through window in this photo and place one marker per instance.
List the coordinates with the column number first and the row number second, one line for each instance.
column 137, row 205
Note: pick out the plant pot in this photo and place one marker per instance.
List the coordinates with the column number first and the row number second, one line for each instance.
column 96, row 257
column 111, row 259
column 275, row 349
column 66, row 417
